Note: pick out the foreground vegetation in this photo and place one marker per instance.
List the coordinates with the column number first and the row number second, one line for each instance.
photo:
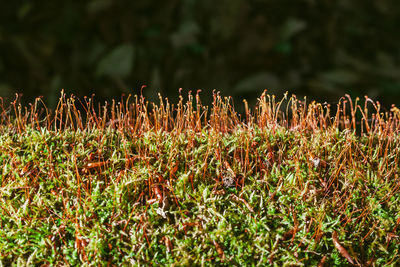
column 142, row 184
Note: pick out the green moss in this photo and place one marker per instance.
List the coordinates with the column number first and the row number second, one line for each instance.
column 150, row 196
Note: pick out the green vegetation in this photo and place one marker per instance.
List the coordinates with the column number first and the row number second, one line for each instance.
column 135, row 183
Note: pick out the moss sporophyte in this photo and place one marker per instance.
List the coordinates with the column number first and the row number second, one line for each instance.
column 138, row 183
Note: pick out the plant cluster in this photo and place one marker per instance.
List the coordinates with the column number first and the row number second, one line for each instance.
column 136, row 183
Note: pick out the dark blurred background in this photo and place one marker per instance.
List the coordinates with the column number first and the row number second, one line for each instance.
column 321, row 49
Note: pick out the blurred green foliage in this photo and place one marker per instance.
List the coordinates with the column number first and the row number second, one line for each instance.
column 322, row 49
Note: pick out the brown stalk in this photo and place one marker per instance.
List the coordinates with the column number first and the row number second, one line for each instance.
column 243, row 201
column 168, row 243
column 322, row 262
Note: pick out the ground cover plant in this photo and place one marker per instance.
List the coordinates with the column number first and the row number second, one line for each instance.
column 137, row 183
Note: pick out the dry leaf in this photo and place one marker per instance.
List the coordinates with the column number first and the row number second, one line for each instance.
column 341, row 249
column 161, row 212
column 219, row 250
column 158, row 193
column 95, row 164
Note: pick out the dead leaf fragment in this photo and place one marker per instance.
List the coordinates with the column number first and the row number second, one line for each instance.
column 228, row 181
column 341, row 249
column 219, row 250
column 157, row 191
column 96, row 164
